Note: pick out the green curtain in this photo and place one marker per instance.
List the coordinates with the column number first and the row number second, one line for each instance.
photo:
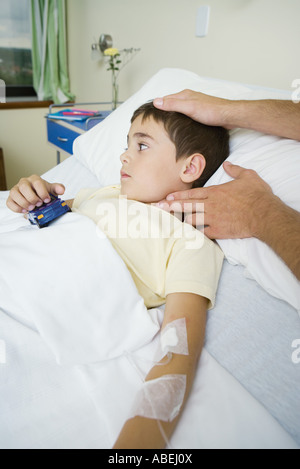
column 49, row 50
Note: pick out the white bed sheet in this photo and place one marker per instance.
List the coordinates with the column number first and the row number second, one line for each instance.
column 46, row 405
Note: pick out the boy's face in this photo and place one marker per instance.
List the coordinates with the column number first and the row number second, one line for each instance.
column 149, row 168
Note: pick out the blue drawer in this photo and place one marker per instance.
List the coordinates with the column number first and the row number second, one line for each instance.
column 60, row 136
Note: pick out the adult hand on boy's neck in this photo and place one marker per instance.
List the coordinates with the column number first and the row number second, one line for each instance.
column 230, row 210
column 242, row 208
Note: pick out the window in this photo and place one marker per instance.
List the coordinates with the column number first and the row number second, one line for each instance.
column 15, row 48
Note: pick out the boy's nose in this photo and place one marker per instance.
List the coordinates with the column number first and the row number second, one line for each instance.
column 124, row 157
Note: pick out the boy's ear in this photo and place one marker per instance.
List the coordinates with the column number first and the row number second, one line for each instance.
column 192, row 168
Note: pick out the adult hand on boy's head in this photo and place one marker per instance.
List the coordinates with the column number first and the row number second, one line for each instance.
column 32, row 192
column 270, row 116
column 231, row 210
column 201, row 107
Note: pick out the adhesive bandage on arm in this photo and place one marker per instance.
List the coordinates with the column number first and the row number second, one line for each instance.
column 160, row 398
column 173, row 339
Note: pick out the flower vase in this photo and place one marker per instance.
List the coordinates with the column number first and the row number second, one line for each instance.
column 115, row 90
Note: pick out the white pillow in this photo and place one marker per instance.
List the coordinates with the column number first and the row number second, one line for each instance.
column 276, row 160
column 100, row 148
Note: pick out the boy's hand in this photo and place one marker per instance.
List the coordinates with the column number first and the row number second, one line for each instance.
column 32, row 192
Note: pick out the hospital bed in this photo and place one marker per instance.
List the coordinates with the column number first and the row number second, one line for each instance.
column 75, row 335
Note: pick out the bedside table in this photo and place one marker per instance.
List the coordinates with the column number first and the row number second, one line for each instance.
column 62, row 133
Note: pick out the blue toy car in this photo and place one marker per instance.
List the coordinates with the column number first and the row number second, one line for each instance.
column 43, row 215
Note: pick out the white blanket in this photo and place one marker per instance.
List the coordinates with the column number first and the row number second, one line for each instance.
column 75, row 329
column 70, row 284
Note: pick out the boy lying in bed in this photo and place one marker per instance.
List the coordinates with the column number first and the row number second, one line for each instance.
column 167, row 151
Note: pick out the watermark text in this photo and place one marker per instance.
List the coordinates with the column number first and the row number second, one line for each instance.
column 296, row 352
column 2, row 352
column 134, row 220
column 2, row 92
column 296, row 92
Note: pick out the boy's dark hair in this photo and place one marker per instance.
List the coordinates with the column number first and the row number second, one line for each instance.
column 191, row 137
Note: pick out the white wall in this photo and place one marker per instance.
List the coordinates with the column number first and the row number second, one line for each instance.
column 251, row 41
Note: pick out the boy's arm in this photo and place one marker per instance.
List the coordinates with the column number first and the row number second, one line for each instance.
column 70, row 202
column 140, row 432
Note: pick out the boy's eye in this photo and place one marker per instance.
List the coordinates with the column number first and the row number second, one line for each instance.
column 142, row 146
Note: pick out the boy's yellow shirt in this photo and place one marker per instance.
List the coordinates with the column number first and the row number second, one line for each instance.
column 162, row 254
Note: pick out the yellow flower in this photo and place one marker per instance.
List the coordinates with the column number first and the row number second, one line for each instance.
column 111, row 51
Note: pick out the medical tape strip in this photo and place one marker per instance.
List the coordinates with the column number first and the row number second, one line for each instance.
column 160, row 398
column 173, row 339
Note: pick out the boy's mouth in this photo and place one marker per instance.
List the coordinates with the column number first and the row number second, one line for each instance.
column 124, row 175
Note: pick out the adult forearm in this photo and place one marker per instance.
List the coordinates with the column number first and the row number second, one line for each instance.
column 275, row 117
column 280, row 229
